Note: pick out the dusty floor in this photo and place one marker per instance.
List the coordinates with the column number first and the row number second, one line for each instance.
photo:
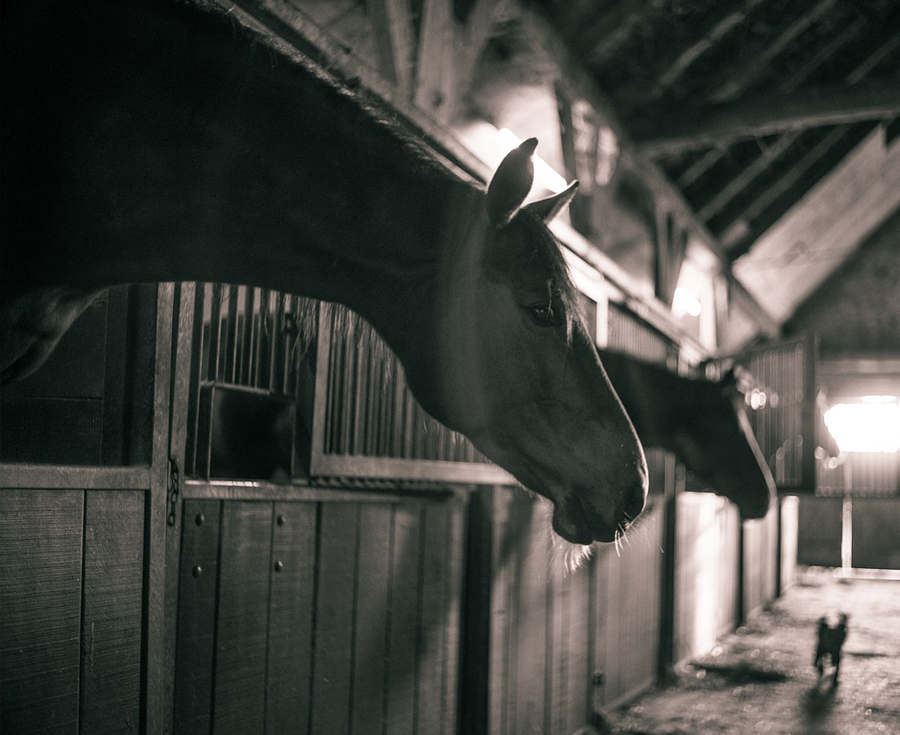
column 761, row 679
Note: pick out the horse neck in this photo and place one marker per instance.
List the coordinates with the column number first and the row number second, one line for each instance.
column 250, row 170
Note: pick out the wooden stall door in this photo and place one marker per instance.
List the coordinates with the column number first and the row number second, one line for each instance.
column 319, row 617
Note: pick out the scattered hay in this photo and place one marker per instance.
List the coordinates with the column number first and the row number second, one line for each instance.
column 742, row 671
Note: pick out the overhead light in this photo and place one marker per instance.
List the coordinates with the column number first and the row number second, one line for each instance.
column 685, row 302
column 870, row 425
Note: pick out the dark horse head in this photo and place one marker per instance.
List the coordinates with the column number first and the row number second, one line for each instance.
column 518, row 373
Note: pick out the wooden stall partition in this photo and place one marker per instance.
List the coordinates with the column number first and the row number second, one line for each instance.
column 539, row 663
column 790, row 528
column 759, row 562
column 566, row 643
column 626, row 611
column 819, row 531
column 706, row 572
column 71, row 583
column 82, row 545
column 328, row 615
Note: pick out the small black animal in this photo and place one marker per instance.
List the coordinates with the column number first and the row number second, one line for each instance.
column 829, row 644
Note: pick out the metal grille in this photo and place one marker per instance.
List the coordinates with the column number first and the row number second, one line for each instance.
column 781, row 398
column 369, row 410
column 628, row 333
column 256, row 345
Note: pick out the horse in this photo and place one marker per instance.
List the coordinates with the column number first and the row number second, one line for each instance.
column 156, row 141
column 703, row 422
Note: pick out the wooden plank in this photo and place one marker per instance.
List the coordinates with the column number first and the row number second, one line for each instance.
column 479, row 608
column 371, row 609
column 434, row 86
column 453, row 597
column 502, row 612
column 601, row 661
column 112, row 612
column 180, row 410
column 391, row 27
column 64, row 477
column 195, row 643
column 404, row 618
column 291, row 609
column 150, row 442
column 242, row 618
column 262, row 490
column 40, row 586
column 333, row 662
column 432, row 631
column 578, row 672
column 531, row 628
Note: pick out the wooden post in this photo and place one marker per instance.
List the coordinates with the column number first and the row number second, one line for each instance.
column 674, row 481
column 476, row 622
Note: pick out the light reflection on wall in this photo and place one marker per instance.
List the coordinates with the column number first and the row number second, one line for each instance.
column 707, row 583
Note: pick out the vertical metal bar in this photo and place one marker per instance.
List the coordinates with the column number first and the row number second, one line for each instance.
column 230, row 352
column 347, row 391
column 362, row 357
column 253, row 339
column 217, row 327
column 247, row 336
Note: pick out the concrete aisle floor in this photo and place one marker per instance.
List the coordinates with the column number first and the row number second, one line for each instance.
column 761, row 679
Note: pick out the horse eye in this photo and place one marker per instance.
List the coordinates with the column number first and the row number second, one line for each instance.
column 544, row 315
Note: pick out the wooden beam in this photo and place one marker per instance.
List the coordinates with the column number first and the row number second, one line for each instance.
column 761, row 62
column 435, row 79
column 724, row 194
column 713, row 34
column 770, row 193
column 758, row 116
column 804, row 247
column 393, row 34
column 603, row 36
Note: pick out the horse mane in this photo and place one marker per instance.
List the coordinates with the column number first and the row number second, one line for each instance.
column 366, row 116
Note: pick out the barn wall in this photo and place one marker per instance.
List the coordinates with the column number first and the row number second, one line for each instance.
column 819, row 535
column 874, row 533
column 859, row 306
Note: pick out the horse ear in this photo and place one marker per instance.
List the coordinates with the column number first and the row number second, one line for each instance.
column 511, row 183
column 548, row 208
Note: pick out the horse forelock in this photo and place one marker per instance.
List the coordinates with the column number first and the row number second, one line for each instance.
column 531, row 257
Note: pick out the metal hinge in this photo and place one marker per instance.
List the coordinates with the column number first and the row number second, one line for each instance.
column 174, row 488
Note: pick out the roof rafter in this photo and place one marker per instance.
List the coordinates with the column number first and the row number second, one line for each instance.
column 765, row 115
